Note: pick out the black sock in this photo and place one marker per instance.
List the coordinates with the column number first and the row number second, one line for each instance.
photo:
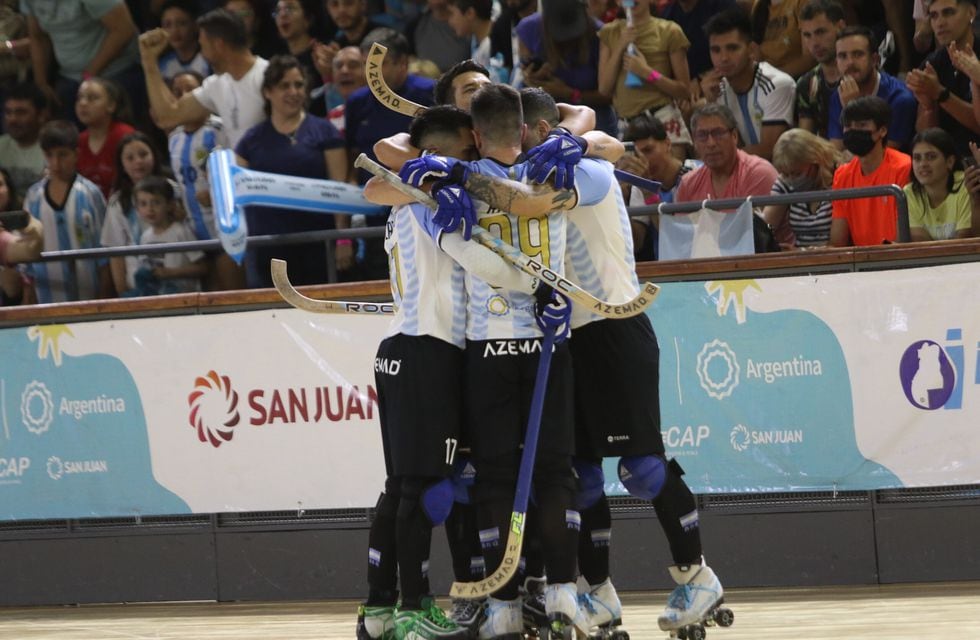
column 593, row 547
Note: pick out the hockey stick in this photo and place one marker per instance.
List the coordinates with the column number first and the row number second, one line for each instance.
column 515, row 535
column 380, row 88
column 648, row 292
column 289, row 293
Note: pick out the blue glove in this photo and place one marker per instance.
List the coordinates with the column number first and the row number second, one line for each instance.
column 560, row 152
column 416, row 170
column 455, row 208
column 553, row 312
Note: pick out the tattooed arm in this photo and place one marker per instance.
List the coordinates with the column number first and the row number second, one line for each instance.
column 603, row 146
column 532, row 200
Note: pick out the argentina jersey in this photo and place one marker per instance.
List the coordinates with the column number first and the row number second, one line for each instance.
column 77, row 225
column 426, row 284
column 599, row 251
column 500, row 313
column 188, row 156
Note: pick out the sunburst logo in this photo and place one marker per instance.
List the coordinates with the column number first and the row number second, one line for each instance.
column 36, row 407
column 739, row 437
column 213, row 402
column 718, row 380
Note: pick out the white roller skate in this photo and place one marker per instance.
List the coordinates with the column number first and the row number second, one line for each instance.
column 566, row 619
column 467, row 614
column 503, row 620
column 375, row 623
column 694, row 603
column 535, row 616
column 604, row 612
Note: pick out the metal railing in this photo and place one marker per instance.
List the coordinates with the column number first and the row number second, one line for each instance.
column 892, row 190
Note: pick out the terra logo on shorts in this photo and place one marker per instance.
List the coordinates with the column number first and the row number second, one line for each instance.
column 214, row 408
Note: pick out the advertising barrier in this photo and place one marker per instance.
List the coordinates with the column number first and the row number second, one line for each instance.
column 832, row 382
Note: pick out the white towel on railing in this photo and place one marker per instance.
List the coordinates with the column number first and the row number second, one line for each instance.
column 707, row 234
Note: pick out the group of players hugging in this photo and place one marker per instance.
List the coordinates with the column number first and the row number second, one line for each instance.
column 457, row 372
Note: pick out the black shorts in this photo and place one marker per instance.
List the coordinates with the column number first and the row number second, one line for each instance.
column 617, row 388
column 499, row 385
column 420, row 393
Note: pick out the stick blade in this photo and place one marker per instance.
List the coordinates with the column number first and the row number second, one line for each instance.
column 507, row 569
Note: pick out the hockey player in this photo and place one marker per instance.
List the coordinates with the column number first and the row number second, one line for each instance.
column 420, row 429
column 615, row 358
column 501, row 359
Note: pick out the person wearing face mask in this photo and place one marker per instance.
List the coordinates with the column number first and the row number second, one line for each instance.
column 868, row 221
column 805, row 162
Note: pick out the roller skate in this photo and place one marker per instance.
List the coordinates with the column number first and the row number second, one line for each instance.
column 566, row 619
column 375, row 623
column 535, row 616
column 694, row 603
column 503, row 620
column 468, row 614
column 604, row 612
column 428, row 623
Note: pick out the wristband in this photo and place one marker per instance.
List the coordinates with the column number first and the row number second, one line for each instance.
column 576, row 96
column 344, row 242
column 654, row 76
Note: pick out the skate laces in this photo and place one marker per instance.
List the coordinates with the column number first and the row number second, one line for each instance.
column 587, row 602
column 438, row 617
column 680, row 597
column 464, row 610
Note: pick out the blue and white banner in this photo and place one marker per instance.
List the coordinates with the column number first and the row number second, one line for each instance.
column 851, row 381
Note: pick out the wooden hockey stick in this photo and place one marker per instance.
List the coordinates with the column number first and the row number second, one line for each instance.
column 518, row 516
column 380, row 88
column 280, row 278
column 648, row 292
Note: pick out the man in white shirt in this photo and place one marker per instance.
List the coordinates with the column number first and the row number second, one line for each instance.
column 759, row 95
column 234, row 91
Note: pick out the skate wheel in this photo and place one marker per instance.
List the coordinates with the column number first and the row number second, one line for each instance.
column 619, row 635
column 695, row 632
column 724, row 617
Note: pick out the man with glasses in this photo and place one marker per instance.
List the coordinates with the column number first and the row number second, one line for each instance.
column 728, row 172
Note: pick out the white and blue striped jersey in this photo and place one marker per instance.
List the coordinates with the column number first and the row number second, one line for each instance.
column 76, row 225
column 426, row 284
column 493, row 313
column 599, row 255
column 188, row 157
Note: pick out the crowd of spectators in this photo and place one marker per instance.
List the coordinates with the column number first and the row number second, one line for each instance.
column 111, row 107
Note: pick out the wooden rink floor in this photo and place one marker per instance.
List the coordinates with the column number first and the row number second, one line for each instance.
column 894, row 612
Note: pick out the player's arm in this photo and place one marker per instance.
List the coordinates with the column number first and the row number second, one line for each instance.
column 533, row 200
column 486, row 265
column 603, row 146
column 378, row 191
column 577, row 118
column 394, row 151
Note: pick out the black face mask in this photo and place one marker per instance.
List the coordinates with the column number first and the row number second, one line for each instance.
column 858, row 142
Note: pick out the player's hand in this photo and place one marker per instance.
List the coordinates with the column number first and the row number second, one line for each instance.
column 152, row 44
column 455, row 210
column 416, row 170
column 553, row 312
column 559, row 153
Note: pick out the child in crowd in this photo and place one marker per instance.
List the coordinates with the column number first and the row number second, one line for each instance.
column 136, row 158
column 71, row 208
column 104, row 110
column 178, row 19
column 162, row 273
column 939, row 207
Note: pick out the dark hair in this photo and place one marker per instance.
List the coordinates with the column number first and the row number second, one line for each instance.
column 497, row 113
column 713, row 110
column 13, row 199
column 123, row 183
column 643, row 127
column 442, row 93
column 275, row 72
column 860, row 30
column 947, row 146
column 123, row 112
column 734, row 19
column 560, row 17
column 190, row 7
column 314, row 12
column 28, row 93
column 58, row 133
column 830, row 8
column 224, row 25
column 483, row 8
column 867, row 108
column 538, row 105
column 157, row 185
column 396, row 43
column 188, row 72
column 441, row 120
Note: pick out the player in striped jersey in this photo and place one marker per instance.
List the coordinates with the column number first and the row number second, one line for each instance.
column 503, row 343
column 71, row 208
column 422, row 352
